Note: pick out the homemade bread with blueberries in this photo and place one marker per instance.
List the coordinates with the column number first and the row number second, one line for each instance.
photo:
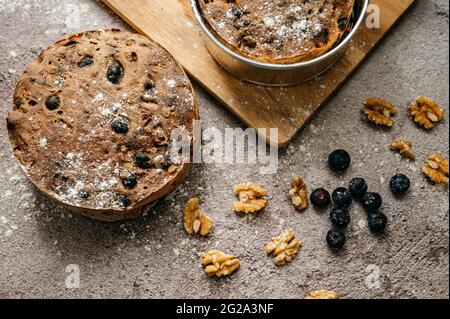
column 92, row 120
column 278, row 31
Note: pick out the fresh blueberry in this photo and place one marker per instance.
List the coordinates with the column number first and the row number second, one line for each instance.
column 342, row 197
column 115, row 72
column 143, row 161
column 339, row 160
column 320, row 198
column 340, row 217
column 130, row 181
column 371, row 201
column 120, row 126
column 53, row 102
column 336, row 238
column 358, row 187
column 400, row 184
column 377, row 222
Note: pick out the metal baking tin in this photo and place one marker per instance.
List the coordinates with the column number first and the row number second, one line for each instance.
column 277, row 74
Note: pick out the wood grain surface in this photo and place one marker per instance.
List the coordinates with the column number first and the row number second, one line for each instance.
column 171, row 23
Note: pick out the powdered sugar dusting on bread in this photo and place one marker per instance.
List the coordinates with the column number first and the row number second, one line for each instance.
column 277, row 28
column 100, row 142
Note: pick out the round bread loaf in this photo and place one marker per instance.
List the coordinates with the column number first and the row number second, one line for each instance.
column 92, row 120
column 278, row 31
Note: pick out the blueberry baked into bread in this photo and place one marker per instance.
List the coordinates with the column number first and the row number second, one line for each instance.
column 92, row 121
column 278, row 31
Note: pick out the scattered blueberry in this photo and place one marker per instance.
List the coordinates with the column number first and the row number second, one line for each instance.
column 377, row 222
column 143, row 161
column 320, row 198
column 120, row 126
column 340, row 217
column 130, row 182
column 124, row 201
column 336, row 238
column 339, row 160
column 115, row 72
column 342, row 197
column 53, row 102
column 88, row 60
column 400, row 184
column 372, row 201
column 358, row 187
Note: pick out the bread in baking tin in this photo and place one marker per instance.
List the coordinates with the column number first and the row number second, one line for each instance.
column 278, row 31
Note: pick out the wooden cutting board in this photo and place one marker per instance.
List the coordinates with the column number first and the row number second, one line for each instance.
column 171, row 23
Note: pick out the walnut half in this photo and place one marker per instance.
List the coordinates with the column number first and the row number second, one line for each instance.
column 195, row 221
column 252, row 198
column 322, row 294
column 219, row 264
column 403, row 147
column 299, row 194
column 426, row 112
column 436, row 169
column 284, row 247
column 379, row 111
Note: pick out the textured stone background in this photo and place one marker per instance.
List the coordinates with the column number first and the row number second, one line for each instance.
column 152, row 257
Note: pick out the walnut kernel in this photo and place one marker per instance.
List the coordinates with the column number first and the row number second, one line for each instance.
column 284, row 247
column 403, row 147
column 252, row 198
column 436, row 169
column 379, row 111
column 195, row 221
column 299, row 194
column 426, row 112
column 322, row 294
column 219, row 264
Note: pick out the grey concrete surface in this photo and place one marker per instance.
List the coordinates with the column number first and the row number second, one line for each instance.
column 154, row 258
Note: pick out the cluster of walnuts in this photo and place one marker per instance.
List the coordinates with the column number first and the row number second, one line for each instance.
column 426, row 113
column 252, row 198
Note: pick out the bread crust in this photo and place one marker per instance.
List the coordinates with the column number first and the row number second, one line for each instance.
column 92, row 121
column 278, row 31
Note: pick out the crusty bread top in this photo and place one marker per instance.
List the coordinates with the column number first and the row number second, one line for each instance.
column 92, row 119
column 278, row 31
